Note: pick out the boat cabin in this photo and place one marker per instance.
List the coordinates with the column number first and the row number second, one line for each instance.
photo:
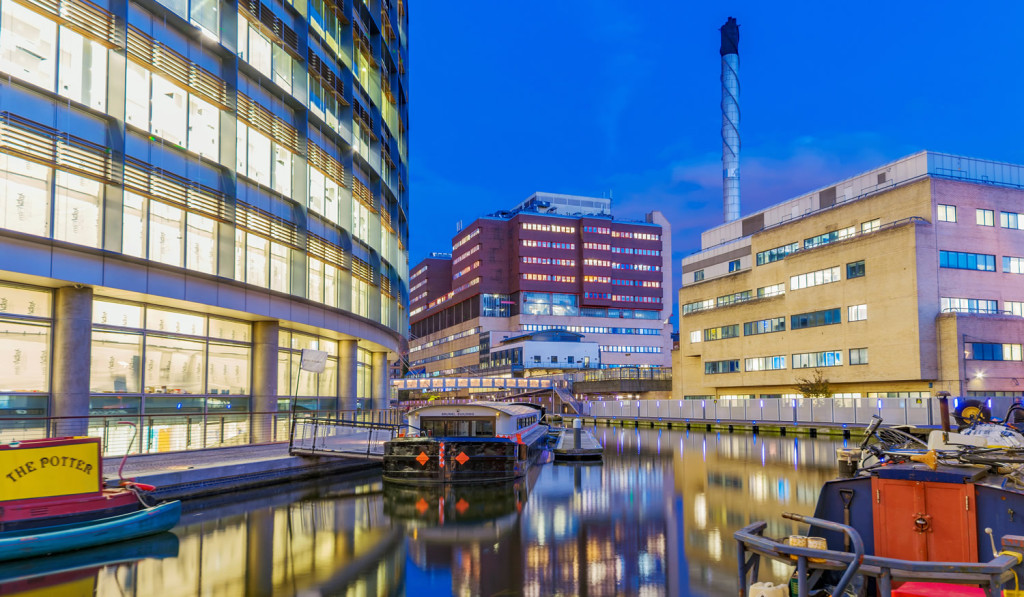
column 474, row 419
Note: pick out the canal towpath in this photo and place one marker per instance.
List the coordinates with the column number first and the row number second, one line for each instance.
column 196, row 473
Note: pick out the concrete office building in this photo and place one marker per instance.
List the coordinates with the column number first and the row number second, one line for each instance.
column 555, row 262
column 900, row 282
column 192, row 191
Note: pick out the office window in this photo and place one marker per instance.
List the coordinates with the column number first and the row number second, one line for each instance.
column 858, row 356
column 24, row 196
column 695, row 336
column 968, row 305
column 824, row 276
column 765, row 363
column 828, row 358
column 815, row 319
column 988, row 351
column 773, row 290
column 728, row 366
column 857, row 313
column 360, row 220
column 947, row 213
column 1013, row 265
column 28, row 45
column 855, row 269
column 201, row 238
column 137, row 90
column 764, row 326
column 280, row 260
column 1015, row 308
column 734, row 265
column 282, row 170
column 536, row 358
column 848, row 232
column 1011, row 220
column 257, row 259
column 170, row 111
column 78, row 204
column 985, row 217
column 722, row 332
column 554, row 359
column 82, row 74
column 871, row 226
column 360, row 297
column 165, row 233
column 729, row 299
column 203, row 128
column 776, row 254
column 698, row 275
column 330, row 285
column 133, row 228
column 972, row 261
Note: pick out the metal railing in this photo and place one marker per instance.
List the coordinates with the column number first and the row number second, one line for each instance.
column 350, row 438
column 175, row 432
column 793, row 411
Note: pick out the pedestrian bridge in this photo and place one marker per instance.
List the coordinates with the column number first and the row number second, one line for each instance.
column 350, row 439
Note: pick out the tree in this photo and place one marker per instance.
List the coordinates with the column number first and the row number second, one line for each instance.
column 815, row 386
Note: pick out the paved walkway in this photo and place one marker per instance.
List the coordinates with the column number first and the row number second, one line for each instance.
column 148, row 464
column 194, row 473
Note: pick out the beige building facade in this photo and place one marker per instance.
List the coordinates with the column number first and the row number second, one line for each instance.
column 900, row 282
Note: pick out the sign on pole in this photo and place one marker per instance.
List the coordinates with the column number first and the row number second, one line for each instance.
column 314, row 361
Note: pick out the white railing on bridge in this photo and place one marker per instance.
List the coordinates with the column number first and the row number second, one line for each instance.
column 344, row 438
column 831, row 411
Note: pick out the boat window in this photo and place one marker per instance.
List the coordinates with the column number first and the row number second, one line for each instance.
column 483, row 428
column 457, row 427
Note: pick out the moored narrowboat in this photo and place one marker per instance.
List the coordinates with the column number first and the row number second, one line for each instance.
column 52, row 499
column 473, row 442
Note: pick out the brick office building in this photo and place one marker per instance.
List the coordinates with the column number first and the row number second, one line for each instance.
column 554, row 262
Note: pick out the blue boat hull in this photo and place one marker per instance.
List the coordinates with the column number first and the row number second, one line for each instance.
column 38, row 542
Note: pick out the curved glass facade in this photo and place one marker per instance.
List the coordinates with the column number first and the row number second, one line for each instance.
column 228, row 181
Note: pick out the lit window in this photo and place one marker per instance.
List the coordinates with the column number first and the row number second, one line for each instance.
column 203, row 128
column 201, row 233
column 986, row 217
column 28, row 45
column 857, row 313
column 170, row 111
column 82, row 74
column 165, row 233
column 1013, row 265
column 78, row 201
column 256, row 260
column 870, row 226
column 947, row 213
column 133, row 230
column 695, row 336
column 280, row 257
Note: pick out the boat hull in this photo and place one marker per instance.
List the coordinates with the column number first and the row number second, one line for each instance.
column 461, row 459
column 69, row 537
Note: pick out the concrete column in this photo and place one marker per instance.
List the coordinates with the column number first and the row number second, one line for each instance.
column 379, row 387
column 348, row 359
column 72, row 358
column 259, row 553
column 264, row 380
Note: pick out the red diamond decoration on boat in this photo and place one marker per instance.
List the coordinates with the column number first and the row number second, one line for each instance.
column 461, row 458
column 422, row 506
column 461, row 505
column 422, row 458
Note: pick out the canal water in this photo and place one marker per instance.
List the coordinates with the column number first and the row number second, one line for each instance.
column 656, row 518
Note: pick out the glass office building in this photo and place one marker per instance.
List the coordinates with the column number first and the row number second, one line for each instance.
column 191, row 192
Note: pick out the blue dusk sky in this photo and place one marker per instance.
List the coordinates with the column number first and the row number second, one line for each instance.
column 587, row 97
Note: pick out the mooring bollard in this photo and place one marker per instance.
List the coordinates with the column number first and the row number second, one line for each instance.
column 577, row 430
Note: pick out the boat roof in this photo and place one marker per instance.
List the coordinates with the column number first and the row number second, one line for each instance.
column 502, row 407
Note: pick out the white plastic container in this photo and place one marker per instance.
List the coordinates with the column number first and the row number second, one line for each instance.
column 767, row 589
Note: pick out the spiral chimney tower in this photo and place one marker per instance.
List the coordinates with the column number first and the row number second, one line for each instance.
column 730, row 53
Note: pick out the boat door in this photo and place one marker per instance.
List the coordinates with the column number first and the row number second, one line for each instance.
column 925, row 520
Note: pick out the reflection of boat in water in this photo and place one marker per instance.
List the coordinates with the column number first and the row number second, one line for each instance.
column 474, row 442
column 74, row 573
column 913, row 513
column 54, row 500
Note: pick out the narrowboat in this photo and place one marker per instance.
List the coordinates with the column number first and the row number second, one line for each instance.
column 52, row 499
column 909, row 517
column 472, row 442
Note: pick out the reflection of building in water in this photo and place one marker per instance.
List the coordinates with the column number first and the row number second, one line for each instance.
column 728, row 481
column 605, row 530
column 585, row 530
column 286, row 546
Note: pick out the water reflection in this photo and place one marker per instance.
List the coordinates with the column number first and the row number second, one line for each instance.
column 656, row 518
